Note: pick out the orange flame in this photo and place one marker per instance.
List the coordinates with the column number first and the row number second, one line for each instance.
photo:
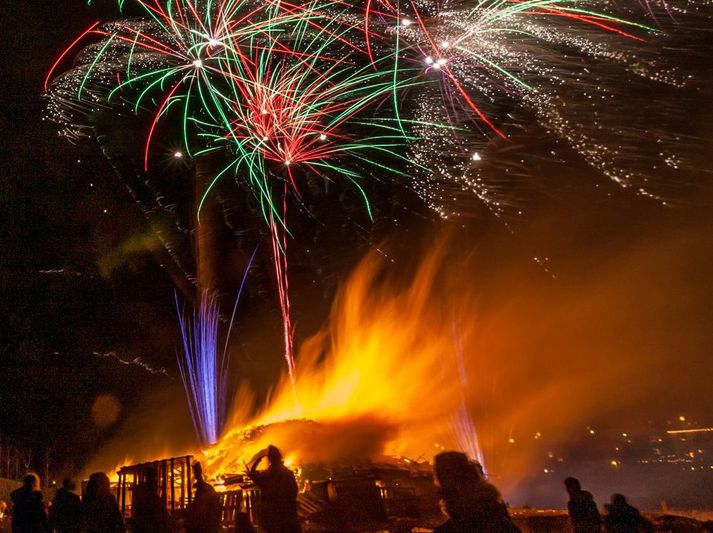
column 380, row 378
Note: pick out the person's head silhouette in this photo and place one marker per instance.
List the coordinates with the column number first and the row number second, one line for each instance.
column 453, row 469
column 31, row 482
column 572, row 485
column 68, row 484
column 618, row 499
column 274, row 455
column 198, row 471
column 98, row 485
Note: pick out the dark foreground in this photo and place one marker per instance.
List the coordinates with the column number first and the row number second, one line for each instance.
column 529, row 521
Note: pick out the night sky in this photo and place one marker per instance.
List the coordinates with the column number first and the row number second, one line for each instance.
column 82, row 281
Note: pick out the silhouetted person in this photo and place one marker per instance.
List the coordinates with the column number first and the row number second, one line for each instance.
column 204, row 513
column 28, row 510
column 278, row 494
column 149, row 514
column 66, row 512
column 583, row 512
column 624, row 518
column 471, row 503
column 101, row 512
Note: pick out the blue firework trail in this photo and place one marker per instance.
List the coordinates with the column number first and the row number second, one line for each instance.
column 204, row 369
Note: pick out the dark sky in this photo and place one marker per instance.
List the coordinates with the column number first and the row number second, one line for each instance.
column 81, row 275
column 56, row 308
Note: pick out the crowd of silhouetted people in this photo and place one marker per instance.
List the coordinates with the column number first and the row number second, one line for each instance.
column 469, row 502
column 585, row 518
column 98, row 511
column 473, row 505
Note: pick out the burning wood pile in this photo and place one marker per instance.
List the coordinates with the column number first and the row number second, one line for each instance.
column 346, row 496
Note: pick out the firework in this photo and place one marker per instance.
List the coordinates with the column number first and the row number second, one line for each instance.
column 204, row 371
column 500, row 67
column 303, row 112
column 276, row 95
column 272, row 84
column 462, row 422
column 201, row 369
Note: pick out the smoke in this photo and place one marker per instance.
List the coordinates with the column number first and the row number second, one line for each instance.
column 124, row 253
column 618, row 337
column 158, row 426
column 599, row 346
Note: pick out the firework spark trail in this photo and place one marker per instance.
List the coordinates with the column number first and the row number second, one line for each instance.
column 297, row 111
column 279, row 257
column 278, row 239
column 178, row 46
column 225, row 359
column 279, row 82
column 200, row 368
column 462, row 422
column 562, row 64
column 203, row 372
